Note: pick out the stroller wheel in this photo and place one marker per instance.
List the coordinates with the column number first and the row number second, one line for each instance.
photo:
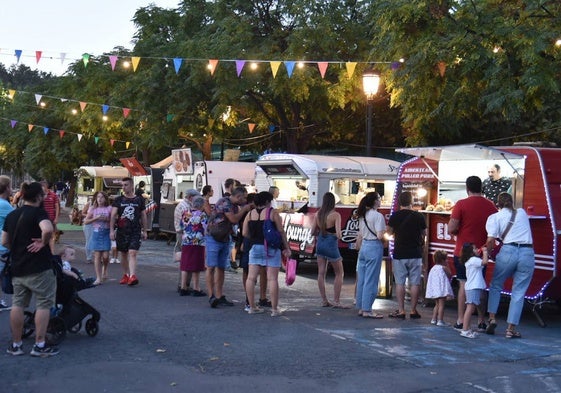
column 56, row 331
column 76, row 328
column 92, row 327
column 28, row 324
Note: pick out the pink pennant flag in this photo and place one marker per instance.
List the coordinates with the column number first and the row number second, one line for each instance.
column 322, row 65
column 126, row 112
column 13, row 123
column 113, row 61
column 239, row 66
column 30, row 127
column 61, row 133
column 112, row 141
column 83, row 105
column 212, row 65
column 38, row 55
column 251, row 127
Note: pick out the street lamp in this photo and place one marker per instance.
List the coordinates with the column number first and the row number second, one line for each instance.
column 370, row 83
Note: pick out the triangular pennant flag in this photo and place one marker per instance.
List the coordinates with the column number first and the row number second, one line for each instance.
column 395, row 65
column 271, row 128
column 127, row 144
column 38, row 98
column 350, row 68
column 177, row 64
column 61, row 133
column 18, row 54
column 62, row 57
column 11, row 93
column 29, row 127
column 45, row 130
column 85, row 59
column 169, row 117
column 104, row 108
column 441, row 68
column 13, row 123
column 212, row 65
column 322, row 65
column 112, row 141
column 210, row 123
column 251, row 127
column 126, row 112
column 275, row 67
column 79, row 137
column 38, row 55
column 135, row 60
column 96, row 139
column 289, row 67
column 113, row 61
column 83, row 105
column 63, row 99
column 239, row 66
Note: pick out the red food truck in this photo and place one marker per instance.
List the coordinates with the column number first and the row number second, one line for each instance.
column 304, row 179
column 436, row 177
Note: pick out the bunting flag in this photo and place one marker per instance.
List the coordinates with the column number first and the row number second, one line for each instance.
column 45, row 130
column 239, row 66
column 85, row 59
column 275, row 67
column 350, row 69
column 135, row 60
column 212, row 65
column 251, row 127
column 441, row 68
column 38, row 98
column 169, row 117
column 104, row 109
column 322, row 65
column 18, row 54
column 127, row 144
column 96, row 139
column 11, row 93
column 289, row 67
column 113, row 61
column 177, row 64
column 62, row 57
column 395, row 65
column 29, row 127
column 271, row 128
column 112, row 141
column 126, row 112
column 61, row 133
column 79, row 137
column 83, row 105
column 13, row 123
column 38, row 55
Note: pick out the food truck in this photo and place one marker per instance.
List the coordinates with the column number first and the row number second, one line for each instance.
column 436, row 177
column 91, row 179
column 304, row 179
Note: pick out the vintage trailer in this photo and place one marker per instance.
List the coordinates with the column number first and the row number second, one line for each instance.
column 304, row 179
column 437, row 175
column 98, row 178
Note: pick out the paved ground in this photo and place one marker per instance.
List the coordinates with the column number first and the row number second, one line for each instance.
column 151, row 340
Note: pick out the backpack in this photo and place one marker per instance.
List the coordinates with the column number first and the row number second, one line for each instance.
column 272, row 236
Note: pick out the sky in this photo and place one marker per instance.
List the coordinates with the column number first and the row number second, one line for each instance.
column 73, row 27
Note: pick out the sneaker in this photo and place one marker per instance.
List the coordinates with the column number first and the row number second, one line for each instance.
column 442, row 324
column 213, row 301
column 4, row 306
column 468, row 334
column 15, row 350
column 132, row 280
column 117, row 260
column 112, row 260
column 247, row 307
column 225, row 302
column 276, row 313
column 124, row 280
column 458, row 326
column 433, row 321
column 265, row 303
column 184, row 292
column 44, row 352
column 482, row 327
column 492, row 326
column 198, row 293
column 255, row 310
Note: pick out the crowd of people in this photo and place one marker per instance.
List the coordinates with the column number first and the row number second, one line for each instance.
column 210, row 237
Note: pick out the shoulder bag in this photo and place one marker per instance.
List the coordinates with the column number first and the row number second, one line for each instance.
column 499, row 242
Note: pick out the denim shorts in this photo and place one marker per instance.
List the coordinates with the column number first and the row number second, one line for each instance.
column 258, row 256
column 42, row 285
column 327, row 247
column 473, row 296
column 217, row 253
column 403, row 268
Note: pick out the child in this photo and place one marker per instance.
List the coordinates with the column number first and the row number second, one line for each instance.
column 67, row 256
column 475, row 283
column 438, row 287
column 114, row 253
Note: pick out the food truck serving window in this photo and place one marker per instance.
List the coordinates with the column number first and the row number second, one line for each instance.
column 113, row 182
column 281, row 168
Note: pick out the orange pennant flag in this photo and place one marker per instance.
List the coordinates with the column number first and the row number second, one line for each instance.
column 83, row 105
column 350, row 69
column 441, row 68
column 126, row 112
column 61, row 133
column 322, row 65
column 112, row 141
column 212, row 65
column 135, row 60
column 38, row 55
column 251, row 127
column 275, row 67
column 30, row 127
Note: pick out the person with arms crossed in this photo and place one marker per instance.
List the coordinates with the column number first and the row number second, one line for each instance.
column 495, row 183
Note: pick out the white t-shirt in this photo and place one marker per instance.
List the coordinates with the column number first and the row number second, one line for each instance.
column 520, row 232
column 474, row 273
column 376, row 223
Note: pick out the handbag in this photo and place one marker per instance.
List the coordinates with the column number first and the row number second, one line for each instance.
column 499, row 242
column 290, row 268
column 221, row 231
column 6, row 275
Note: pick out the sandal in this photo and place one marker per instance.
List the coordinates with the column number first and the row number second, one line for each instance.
column 341, row 306
column 326, row 304
column 513, row 334
column 415, row 315
column 491, row 327
column 372, row 315
column 396, row 314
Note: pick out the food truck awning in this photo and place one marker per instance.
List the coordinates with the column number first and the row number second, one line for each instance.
column 281, row 168
column 134, row 167
column 166, row 162
column 459, row 153
column 106, row 171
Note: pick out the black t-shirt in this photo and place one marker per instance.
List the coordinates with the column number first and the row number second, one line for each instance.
column 407, row 226
column 25, row 263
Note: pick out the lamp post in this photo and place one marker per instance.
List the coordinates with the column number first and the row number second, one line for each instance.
column 370, row 83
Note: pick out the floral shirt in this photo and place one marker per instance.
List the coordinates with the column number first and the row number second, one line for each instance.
column 194, row 225
column 223, row 205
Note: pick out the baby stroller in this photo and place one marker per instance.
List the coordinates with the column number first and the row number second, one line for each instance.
column 70, row 308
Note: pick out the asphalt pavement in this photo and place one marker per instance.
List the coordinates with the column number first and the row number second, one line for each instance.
column 152, row 340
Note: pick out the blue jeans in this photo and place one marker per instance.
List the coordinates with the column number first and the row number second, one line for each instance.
column 88, row 230
column 517, row 263
column 368, row 273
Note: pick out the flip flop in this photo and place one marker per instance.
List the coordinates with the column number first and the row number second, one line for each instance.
column 372, row 315
column 341, row 306
column 326, row 304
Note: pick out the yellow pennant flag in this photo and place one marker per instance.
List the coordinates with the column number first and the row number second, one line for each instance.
column 127, row 144
column 135, row 60
column 350, row 69
column 275, row 67
column 11, row 93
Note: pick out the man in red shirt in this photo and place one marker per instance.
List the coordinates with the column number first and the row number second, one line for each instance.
column 51, row 204
column 467, row 222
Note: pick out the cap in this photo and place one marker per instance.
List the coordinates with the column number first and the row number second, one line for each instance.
column 191, row 192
